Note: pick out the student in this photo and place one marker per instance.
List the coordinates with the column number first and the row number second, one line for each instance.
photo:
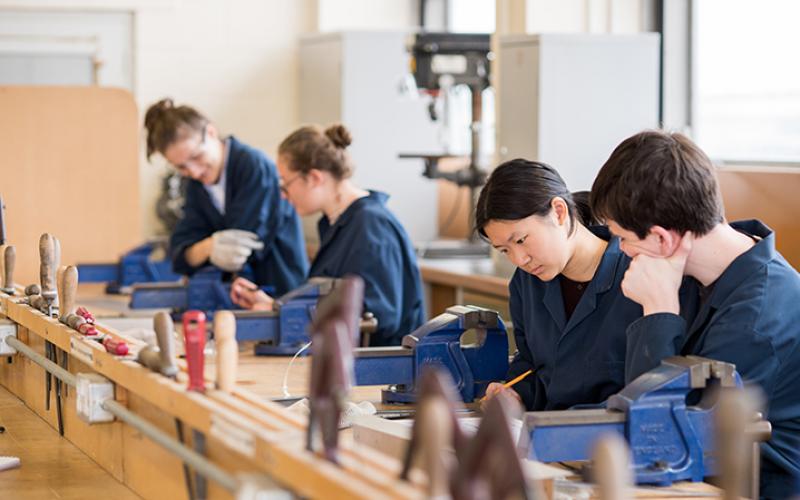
column 233, row 213
column 659, row 194
column 568, row 312
column 357, row 233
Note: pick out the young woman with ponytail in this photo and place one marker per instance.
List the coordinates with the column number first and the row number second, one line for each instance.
column 357, row 233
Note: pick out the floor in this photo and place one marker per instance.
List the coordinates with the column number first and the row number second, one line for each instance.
column 51, row 467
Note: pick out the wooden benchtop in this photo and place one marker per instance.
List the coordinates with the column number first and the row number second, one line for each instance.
column 480, row 275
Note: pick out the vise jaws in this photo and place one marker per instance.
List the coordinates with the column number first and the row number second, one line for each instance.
column 443, row 341
column 666, row 415
column 135, row 266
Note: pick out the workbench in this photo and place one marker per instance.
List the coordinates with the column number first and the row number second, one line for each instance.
column 150, row 470
column 479, row 282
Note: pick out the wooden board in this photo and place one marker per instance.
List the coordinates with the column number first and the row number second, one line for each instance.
column 769, row 194
column 70, row 167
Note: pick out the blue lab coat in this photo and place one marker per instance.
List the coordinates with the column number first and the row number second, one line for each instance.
column 751, row 319
column 580, row 361
column 369, row 241
column 252, row 202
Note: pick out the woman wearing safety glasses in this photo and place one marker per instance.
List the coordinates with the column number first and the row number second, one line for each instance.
column 358, row 234
column 234, row 213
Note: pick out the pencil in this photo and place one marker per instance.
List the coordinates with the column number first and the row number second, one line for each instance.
column 513, row 381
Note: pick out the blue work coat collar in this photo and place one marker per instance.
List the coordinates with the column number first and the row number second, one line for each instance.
column 328, row 230
column 746, row 264
column 602, row 281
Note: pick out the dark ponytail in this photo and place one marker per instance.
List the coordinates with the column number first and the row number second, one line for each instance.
column 520, row 188
column 584, row 209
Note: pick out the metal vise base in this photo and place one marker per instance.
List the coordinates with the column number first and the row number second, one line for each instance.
column 472, row 366
column 666, row 415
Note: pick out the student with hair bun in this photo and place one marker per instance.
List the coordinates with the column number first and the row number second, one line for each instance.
column 357, row 233
column 233, row 213
column 568, row 311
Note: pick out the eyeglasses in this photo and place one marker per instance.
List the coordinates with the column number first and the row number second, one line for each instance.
column 195, row 158
column 285, row 185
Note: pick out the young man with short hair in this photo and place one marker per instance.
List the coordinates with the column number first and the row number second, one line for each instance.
column 658, row 192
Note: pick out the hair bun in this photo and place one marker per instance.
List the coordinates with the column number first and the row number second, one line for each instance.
column 156, row 111
column 339, row 135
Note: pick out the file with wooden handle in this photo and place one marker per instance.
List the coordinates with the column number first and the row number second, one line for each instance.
column 227, row 350
column 67, row 290
column 165, row 336
column 9, row 261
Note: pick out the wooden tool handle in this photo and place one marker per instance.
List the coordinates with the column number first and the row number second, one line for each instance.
column 2, row 263
column 47, row 256
column 10, row 260
column 149, row 358
column 67, row 290
column 227, row 350
column 612, row 471
column 162, row 324
column 194, row 335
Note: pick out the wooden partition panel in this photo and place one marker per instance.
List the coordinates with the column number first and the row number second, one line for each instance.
column 769, row 194
column 70, row 166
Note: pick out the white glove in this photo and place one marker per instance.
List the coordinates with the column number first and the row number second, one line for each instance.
column 230, row 248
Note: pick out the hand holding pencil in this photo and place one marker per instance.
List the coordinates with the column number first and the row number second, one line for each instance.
column 496, row 388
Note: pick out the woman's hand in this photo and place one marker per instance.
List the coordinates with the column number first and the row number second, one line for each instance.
column 247, row 295
column 496, row 388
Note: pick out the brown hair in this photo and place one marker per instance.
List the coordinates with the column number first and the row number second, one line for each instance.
column 166, row 123
column 658, row 178
column 310, row 147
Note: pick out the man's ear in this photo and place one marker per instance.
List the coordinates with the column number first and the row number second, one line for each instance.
column 560, row 210
column 668, row 240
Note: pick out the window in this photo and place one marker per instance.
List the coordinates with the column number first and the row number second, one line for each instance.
column 746, row 88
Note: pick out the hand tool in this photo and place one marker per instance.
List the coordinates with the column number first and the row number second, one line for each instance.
column 666, row 416
column 512, row 382
column 334, row 330
column 737, row 451
column 2, row 221
column 227, row 350
column 10, row 259
column 113, row 345
column 162, row 361
column 486, row 465
column 135, row 266
column 67, row 289
column 47, row 269
column 611, row 471
column 194, row 333
column 472, row 366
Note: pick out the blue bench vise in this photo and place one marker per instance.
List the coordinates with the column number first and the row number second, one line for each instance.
column 283, row 330
column 135, row 266
column 204, row 291
column 472, row 362
column 666, row 415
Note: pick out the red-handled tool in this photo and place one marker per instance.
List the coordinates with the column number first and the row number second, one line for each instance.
column 194, row 338
column 115, row 346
